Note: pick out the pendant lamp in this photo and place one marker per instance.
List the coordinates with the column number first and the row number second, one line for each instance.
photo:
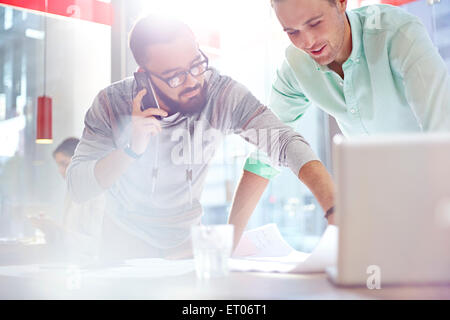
column 44, row 106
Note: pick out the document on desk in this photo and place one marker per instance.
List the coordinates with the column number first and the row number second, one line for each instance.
column 145, row 268
column 134, row 268
column 264, row 249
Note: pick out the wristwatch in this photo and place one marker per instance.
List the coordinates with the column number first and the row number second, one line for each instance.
column 329, row 212
column 131, row 153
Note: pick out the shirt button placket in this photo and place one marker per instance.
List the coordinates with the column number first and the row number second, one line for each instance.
column 348, row 90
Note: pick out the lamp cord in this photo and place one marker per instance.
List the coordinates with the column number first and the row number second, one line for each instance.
column 45, row 46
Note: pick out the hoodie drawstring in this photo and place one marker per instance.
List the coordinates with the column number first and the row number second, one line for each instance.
column 189, row 170
column 155, row 166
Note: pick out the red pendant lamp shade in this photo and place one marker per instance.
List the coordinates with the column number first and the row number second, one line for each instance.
column 44, row 120
column 44, row 109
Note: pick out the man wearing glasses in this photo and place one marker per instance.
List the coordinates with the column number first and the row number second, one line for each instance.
column 153, row 171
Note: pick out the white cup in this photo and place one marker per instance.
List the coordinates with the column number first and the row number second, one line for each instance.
column 212, row 246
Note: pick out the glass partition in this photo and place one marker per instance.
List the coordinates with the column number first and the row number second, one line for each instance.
column 29, row 179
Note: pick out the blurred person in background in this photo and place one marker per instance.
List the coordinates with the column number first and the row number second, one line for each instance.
column 80, row 229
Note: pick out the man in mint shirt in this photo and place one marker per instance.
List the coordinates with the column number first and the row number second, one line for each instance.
column 374, row 69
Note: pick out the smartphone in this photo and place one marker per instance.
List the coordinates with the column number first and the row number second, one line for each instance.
column 149, row 100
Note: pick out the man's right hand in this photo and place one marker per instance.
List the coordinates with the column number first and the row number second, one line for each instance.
column 144, row 124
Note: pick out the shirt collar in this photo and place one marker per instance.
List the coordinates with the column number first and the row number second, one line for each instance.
column 357, row 34
column 355, row 26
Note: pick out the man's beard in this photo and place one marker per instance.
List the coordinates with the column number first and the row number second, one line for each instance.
column 192, row 106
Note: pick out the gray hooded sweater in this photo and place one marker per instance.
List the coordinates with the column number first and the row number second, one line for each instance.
column 157, row 198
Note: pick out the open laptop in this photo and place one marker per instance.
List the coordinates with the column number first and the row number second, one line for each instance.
column 392, row 209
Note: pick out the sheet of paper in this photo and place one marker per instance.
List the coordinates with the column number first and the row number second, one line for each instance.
column 136, row 268
column 323, row 255
column 19, row 270
column 264, row 249
column 265, row 241
column 145, row 268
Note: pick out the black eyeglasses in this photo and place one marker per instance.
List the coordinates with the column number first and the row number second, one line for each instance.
column 178, row 79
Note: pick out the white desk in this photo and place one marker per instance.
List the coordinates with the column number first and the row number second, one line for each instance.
column 237, row 286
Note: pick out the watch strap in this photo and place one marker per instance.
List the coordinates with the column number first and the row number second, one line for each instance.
column 329, row 212
column 131, row 153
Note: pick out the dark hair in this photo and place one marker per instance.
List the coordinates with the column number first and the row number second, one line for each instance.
column 67, row 147
column 151, row 30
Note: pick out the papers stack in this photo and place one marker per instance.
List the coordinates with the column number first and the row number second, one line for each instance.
column 263, row 249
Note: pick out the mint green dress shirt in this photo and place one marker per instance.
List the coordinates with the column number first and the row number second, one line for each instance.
column 395, row 81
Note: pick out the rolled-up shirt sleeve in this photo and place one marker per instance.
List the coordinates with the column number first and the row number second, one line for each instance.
column 258, row 125
column 289, row 104
column 96, row 142
column 425, row 76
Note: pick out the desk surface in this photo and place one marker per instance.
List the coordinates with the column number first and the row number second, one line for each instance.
column 236, row 286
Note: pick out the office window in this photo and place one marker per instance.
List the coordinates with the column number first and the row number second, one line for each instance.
column 29, row 179
column 436, row 17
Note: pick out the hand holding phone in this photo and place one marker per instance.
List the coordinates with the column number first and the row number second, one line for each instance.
column 149, row 100
column 144, row 123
